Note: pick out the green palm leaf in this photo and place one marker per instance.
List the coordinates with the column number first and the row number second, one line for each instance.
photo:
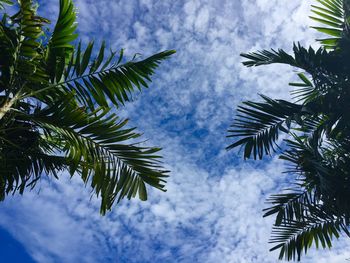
column 30, row 30
column 266, row 57
column 94, row 146
column 56, row 110
column 296, row 237
column 318, row 143
column 305, row 91
column 259, row 124
column 60, row 49
column 103, row 80
column 107, row 80
column 332, row 15
column 309, row 59
column 64, row 32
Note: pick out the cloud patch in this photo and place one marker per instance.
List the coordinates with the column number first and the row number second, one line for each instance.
column 212, row 209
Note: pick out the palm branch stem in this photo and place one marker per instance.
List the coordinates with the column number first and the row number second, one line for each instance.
column 33, row 93
column 8, row 104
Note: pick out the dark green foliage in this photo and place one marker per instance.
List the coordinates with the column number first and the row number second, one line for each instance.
column 260, row 123
column 317, row 125
column 58, row 109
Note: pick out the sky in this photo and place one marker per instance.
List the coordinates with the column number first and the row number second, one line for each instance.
column 212, row 210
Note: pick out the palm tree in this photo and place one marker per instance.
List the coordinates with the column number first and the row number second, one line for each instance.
column 58, row 107
column 317, row 125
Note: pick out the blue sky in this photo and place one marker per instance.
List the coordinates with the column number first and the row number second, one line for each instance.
column 212, row 209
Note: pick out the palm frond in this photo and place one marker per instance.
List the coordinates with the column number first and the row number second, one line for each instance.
column 266, row 57
column 21, row 171
column 64, row 32
column 260, row 123
column 101, row 149
column 8, row 44
column 303, row 219
column 56, row 109
column 331, row 14
column 305, row 91
column 24, row 156
column 320, row 210
column 290, row 206
column 107, row 80
column 296, row 237
column 306, row 59
column 31, row 29
column 24, row 35
column 60, row 49
column 317, row 149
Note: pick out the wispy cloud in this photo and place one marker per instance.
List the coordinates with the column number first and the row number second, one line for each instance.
column 212, row 210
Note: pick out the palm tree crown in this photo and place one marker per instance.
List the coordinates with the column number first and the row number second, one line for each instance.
column 58, row 104
column 317, row 125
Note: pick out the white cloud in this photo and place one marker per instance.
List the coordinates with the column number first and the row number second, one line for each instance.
column 212, row 210
column 202, row 20
column 199, row 210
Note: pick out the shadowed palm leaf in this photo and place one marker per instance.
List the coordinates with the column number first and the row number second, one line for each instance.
column 316, row 209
